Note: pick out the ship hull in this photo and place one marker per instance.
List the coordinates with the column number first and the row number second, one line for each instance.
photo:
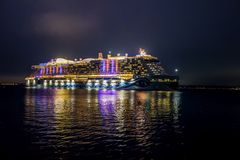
column 159, row 83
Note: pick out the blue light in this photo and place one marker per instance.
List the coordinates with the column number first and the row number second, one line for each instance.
column 41, row 71
column 60, row 70
column 53, row 70
column 103, row 66
column 112, row 67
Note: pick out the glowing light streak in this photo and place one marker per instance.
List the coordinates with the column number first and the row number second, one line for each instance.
column 41, row 71
column 53, row 70
column 62, row 83
column 60, row 69
column 107, row 66
column 112, row 66
column 68, row 82
column 116, row 66
column 45, row 83
column 57, row 70
column 50, row 70
column 72, row 82
column 34, row 82
column 28, row 82
column 105, row 84
column 103, row 66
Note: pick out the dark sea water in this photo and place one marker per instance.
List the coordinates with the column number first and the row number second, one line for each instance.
column 110, row 124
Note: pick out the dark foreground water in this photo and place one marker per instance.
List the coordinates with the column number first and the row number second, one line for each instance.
column 83, row 124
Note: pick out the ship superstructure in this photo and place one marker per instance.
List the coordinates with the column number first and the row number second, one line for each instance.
column 142, row 71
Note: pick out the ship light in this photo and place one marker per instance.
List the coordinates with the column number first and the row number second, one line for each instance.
column 50, row 82
column 28, row 82
column 122, row 81
column 89, row 82
column 113, row 83
column 105, row 82
column 68, row 82
column 72, row 82
column 45, row 83
column 56, row 83
column 62, row 83
column 34, row 82
column 96, row 82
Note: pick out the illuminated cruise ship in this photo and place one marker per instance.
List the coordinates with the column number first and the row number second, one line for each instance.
column 141, row 72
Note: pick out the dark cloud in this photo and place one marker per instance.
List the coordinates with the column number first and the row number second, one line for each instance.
column 64, row 25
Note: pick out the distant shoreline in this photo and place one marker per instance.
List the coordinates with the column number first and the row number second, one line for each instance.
column 208, row 87
column 181, row 87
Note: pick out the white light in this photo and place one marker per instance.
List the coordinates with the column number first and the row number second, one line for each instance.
column 56, row 83
column 113, row 83
column 176, row 70
column 105, row 82
column 68, row 82
column 45, row 83
column 28, row 82
column 89, row 83
column 34, row 82
column 50, row 82
column 62, row 83
column 72, row 82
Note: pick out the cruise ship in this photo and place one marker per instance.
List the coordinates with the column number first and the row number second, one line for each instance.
column 140, row 72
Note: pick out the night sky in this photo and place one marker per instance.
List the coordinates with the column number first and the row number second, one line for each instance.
column 199, row 37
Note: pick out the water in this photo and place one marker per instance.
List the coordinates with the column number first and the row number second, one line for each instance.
column 110, row 124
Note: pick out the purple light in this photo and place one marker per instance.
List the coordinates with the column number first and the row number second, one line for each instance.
column 54, row 70
column 102, row 66
column 41, row 71
column 60, row 69
column 112, row 67
column 107, row 102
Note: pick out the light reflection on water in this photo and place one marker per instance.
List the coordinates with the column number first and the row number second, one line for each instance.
column 68, row 123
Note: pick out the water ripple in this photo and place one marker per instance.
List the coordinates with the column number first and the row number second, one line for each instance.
column 74, row 123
